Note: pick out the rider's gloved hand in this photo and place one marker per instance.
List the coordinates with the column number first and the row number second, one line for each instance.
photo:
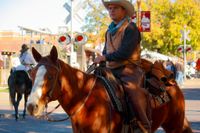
column 99, row 59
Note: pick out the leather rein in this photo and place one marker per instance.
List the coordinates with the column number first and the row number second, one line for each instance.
column 46, row 115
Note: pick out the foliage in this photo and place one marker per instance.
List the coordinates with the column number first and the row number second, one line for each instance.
column 167, row 20
column 4, row 90
column 96, row 21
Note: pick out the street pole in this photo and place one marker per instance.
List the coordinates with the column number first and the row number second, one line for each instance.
column 184, row 51
column 72, row 45
column 139, row 10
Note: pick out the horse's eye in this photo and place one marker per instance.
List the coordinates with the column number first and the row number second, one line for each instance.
column 50, row 77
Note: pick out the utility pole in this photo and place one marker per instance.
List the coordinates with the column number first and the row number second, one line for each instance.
column 72, row 36
column 139, row 11
column 184, row 38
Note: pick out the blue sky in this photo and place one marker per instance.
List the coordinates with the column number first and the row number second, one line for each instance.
column 32, row 13
column 36, row 14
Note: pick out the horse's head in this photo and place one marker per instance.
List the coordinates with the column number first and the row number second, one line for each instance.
column 45, row 77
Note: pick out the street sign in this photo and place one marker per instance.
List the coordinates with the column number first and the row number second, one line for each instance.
column 68, row 8
column 185, row 35
column 145, row 21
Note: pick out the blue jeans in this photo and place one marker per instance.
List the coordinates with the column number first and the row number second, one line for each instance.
column 179, row 77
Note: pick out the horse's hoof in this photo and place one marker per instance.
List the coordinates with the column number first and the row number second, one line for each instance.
column 16, row 117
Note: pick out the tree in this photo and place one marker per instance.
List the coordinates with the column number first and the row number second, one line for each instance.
column 167, row 19
column 96, row 20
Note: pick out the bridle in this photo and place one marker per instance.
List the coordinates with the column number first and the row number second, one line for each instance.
column 58, row 68
column 52, row 89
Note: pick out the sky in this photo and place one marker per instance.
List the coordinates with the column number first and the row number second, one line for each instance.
column 32, row 14
column 38, row 14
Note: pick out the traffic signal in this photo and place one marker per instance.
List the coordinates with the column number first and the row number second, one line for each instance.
column 189, row 49
column 80, row 39
column 180, row 48
column 64, row 39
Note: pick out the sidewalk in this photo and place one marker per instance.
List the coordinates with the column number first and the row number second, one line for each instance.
column 192, row 83
column 191, row 91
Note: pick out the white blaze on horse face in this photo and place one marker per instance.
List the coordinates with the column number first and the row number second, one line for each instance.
column 36, row 92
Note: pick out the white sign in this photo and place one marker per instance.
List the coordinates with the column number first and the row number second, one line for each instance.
column 68, row 8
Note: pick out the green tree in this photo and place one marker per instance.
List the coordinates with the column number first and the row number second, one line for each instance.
column 167, row 19
column 96, row 20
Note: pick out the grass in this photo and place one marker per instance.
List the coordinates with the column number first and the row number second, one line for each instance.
column 3, row 89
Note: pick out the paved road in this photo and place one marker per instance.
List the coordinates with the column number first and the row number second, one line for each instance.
column 191, row 91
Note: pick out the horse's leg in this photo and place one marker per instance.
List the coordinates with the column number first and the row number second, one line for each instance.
column 186, row 126
column 14, row 103
column 25, row 101
column 19, row 97
column 176, row 116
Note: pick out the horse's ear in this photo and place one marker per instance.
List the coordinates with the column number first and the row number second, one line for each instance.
column 37, row 56
column 54, row 54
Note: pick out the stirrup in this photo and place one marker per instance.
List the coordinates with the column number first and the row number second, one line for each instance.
column 137, row 126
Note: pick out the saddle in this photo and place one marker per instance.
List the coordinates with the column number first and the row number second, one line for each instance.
column 156, row 81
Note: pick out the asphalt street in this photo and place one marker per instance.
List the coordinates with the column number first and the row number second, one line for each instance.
column 191, row 91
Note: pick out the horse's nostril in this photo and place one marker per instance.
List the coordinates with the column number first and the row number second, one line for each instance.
column 36, row 108
column 32, row 108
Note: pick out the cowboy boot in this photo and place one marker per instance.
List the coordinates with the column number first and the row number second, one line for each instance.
column 140, row 106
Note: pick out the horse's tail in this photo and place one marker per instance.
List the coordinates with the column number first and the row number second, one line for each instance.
column 10, row 89
column 186, row 126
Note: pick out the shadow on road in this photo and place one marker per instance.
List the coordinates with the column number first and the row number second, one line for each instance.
column 195, row 126
column 32, row 125
column 192, row 94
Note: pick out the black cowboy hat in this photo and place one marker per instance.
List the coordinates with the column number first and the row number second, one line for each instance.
column 24, row 48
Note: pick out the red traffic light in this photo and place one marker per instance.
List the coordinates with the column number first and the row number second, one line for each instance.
column 79, row 38
column 62, row 38
column 180, row 49
column 189, row 49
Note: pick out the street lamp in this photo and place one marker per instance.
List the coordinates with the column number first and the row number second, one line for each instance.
column 139, row 10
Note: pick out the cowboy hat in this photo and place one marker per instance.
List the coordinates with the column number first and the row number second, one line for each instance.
column 24, row 48
column 124, row 3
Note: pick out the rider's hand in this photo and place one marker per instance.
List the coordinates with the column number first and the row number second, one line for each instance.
column 99, row 59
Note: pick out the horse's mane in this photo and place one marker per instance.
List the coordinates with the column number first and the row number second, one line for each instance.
column 73, row 75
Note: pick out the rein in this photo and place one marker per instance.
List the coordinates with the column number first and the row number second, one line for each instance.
column 74, row 113
column 50, row 94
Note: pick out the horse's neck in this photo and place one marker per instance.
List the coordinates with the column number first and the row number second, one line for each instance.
column 75, row 86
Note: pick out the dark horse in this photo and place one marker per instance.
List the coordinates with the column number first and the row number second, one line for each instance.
column 85, row 100
column 19, row 83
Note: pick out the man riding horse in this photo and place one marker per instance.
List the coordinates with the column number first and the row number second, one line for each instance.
column 19, row 81
column 26, row 59
column 122, row 55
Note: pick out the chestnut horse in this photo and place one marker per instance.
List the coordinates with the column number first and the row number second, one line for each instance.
column 85, row 100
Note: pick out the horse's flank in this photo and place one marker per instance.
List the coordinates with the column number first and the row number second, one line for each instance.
column 92, row 117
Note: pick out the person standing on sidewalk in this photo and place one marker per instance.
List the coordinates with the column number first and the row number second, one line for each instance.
column 179, row 73
column 198, row 67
